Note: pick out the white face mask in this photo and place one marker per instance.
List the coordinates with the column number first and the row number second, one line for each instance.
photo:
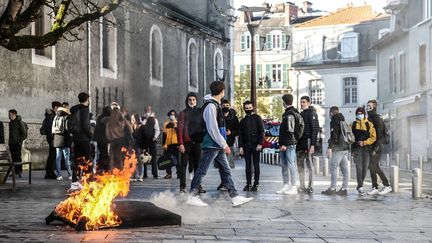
column 172, row 117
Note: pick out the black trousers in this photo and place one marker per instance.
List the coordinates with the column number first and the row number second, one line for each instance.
column 151, row 148
column 192, row 156
column 252, row 157
column 104, row 159
column 375, row 169
column 361, row 159
column 116, row 154
column 82, row 159
column 303, row 156
column 15, row 150
column 51, row 160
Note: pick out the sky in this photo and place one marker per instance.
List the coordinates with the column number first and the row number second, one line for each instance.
column 327, row 5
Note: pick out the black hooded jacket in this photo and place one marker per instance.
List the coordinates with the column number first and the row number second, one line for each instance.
column 184, row 118
column 378, row 124
column 86, row 133
column 311, row 129
column 336, row 142
column 251, row 131
column 232, row 123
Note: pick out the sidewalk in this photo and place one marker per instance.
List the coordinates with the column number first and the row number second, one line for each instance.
column 268, row 218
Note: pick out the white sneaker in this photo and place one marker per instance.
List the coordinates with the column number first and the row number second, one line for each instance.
column 195, row 201
column 385, row 190
column 291, row 191
column 140, row 180
column 75, row 186
column 239, row 200
column 70, row 178
column 374, row 191
column 60, row 178
column 191, row 175
column 361, row 191
column 286, row 187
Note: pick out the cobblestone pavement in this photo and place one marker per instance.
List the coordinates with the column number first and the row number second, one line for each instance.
column 268, row 218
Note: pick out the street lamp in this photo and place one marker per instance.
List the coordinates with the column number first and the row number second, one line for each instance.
column 253, row 28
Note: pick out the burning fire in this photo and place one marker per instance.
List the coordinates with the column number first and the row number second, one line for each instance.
column 92, row 205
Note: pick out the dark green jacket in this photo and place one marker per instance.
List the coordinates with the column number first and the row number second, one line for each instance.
column 17, row 131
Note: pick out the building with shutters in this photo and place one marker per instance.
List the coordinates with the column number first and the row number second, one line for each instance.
column 404, row 77
column 273, row 55
column 332, row 63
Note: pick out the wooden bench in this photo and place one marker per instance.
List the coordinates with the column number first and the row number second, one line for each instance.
column 6, row 156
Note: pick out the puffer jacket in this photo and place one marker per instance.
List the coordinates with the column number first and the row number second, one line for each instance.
column 311, row 129
column 86, row 133
column 232, row 124
column 336, row 142
column 361, row 132
column 17, row 131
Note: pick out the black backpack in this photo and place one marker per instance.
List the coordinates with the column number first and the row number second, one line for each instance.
column 73, row 123
column 196, row 124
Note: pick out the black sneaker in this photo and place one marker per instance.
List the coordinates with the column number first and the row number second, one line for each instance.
column 309, row 190
column 329, row 191
column 247, row 188
column 255, row 188
column 222, row 187
column 183, row 190
column 201, row 189
column 342, row 192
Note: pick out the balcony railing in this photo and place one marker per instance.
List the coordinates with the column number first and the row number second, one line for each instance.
column 328, row 53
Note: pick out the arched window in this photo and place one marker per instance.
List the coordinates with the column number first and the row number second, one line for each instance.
column 192, row 65
column 156, row 56
column 108, row 46
column 219, row 73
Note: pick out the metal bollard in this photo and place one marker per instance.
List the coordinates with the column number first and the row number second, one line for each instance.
column 417, row 183
column 316, row 161
column 421, row 162
column 397, row 160
column 408, row 163
column 394, row 178
column 326, row 167
column 388, row 160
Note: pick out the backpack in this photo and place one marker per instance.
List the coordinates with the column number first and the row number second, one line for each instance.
column 146, row 133
column 73, row 123
column 26, row 130
column 295, row 124
column 347, row 133
column 59, row 125
column 196, row 124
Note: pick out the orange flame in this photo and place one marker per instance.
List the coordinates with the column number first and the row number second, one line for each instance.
column 92, row 205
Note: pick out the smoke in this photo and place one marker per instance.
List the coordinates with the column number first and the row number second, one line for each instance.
column 165, row 200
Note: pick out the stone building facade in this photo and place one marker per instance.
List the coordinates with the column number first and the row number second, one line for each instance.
column 155, row 54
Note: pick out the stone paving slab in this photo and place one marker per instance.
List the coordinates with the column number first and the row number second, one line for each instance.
column 268, row 218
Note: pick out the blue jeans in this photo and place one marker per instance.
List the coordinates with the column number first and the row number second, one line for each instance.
column 208, row 156
column 288, row 162
column 66, row 153
column 339, row 158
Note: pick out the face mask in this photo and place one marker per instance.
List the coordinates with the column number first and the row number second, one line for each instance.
column 172, row 117
column 148, row 114
column 369, row 109
column 190, row 105
column 248, row 112
column 360, row 117
column 225, row 109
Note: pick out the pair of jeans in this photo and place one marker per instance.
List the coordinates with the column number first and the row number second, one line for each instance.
column 139, row 171
column 192, row 156
column 375, row 170
column 302, row 157
column 82, row 159
column 208, row 156
column 231, row 158
column 66, row 153
column 174, row 152
column 252, row 156
column 339, row 158
column 361, row 160
column 15, row 150
column 288, row 162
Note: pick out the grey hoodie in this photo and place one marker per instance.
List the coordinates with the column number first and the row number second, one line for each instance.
column 215, row 136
